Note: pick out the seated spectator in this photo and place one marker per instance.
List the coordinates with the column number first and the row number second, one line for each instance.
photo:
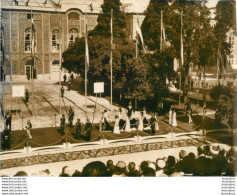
column 170, row 165
column 110, row 167
column 149, row 172
column 143, row 166
column 207, row 150
column 203, row 165
column 66, row 172
column 109, row 163
column 95, row 169
column 182, row 154
column 44, row 173
column 160, row 165
column 76, row 174
column 214, row 150
column 132, row 172
column 186, row 165
column 120, row 170
column 21, row 174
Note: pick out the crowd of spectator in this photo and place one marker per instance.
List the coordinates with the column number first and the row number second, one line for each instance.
column 211, row 160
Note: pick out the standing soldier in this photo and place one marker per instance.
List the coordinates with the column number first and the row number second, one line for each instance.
column 6, row 144
column 72, row 76
column 62, row 91
column 8, row 119
column 27, row 96
column 78, row 130
column 62, row 123
column 71, row 116
column 65, row 78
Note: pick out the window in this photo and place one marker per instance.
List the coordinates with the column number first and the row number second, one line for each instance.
column 55, row 66
column 55, row 40
column 73, row 16
column 73, row 33
column 28, row 40
column 29, row 16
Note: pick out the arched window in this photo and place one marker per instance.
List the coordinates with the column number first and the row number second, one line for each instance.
column 55, row 40
column 73, row 34
column 73, row 16
column 28, row 40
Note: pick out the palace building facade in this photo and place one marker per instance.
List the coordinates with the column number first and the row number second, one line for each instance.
column 16, row 20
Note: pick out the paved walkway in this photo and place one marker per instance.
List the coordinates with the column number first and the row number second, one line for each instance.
column 46, row 112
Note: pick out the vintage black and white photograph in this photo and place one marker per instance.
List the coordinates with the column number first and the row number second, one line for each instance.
column 118, row 88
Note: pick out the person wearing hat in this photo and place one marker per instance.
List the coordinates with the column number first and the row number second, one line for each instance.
column 62, row 123
column 160, row 165
column 28, row 129
column 120, row 170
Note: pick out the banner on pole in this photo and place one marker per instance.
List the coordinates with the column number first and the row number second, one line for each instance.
column 99, row 87
column 18, row 91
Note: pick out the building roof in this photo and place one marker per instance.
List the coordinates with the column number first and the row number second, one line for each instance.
column 129, row 6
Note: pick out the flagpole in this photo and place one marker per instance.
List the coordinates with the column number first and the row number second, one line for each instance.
column 33, row 62
column 85, row 67
column 136, row 39
column 161, row 29
column 181, row 58
column 60, row 61
column 111, row 60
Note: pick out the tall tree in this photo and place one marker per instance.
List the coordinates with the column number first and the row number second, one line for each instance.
column 225, row 21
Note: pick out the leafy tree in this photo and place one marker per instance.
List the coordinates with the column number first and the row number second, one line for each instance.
column 225, row 22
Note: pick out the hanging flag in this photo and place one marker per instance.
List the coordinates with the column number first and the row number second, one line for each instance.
column 86, row 45
column 138, row 30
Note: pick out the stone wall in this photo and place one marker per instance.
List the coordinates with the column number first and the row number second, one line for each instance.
column 100, row 152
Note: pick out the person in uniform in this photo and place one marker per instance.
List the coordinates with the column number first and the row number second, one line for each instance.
column 65, row 78
column 72, row 77
column 27, row 96
column 8, row 119
column 62, row 123
column 70, row 117
column 78, row 129
column 6, row 139
column 62, row 91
